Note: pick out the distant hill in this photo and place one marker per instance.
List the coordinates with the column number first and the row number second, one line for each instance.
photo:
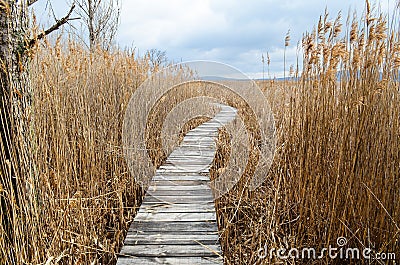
column 217, row 78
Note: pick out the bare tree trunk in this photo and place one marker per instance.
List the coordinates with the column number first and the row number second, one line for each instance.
column 92, row 37
column 101, row 19
column 15, row 97
column 19, row 202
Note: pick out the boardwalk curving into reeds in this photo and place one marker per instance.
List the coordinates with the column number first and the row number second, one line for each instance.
column 176, row 223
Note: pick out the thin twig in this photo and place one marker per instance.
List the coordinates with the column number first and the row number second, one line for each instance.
column 56, row 26
column 31, row 2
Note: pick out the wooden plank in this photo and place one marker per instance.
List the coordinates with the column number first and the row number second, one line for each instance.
column 170, row 187
column 187, row 150
column 206, row 155
column 134, row 241
column 198, row 145
column 168, row 250
column 177, row 199
column 195, row 159
column 204, row 130
column 210, row 226
column 166, row 173
column 206, row 127
column 190, row 156
column 184, row 164
column 173, row 216
column 175, row 235
column 186, row 168
column 166, row 204
column 181, row 183
column 169, row 260
column 178, row 208
column 175, row 192
column 171, row 233
column 206, row 160
column 163, row 184
column 194, row 152
column 186, row 172
column 181, row 170
column 196, row 149
column 171, row 239
column 203, row 133
column 201, row 141
column 184, row 177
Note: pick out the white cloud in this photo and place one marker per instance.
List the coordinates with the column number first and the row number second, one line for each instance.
column 162, row 24
column 231, row 31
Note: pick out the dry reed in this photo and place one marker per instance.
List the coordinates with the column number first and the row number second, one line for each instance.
column 336, row 170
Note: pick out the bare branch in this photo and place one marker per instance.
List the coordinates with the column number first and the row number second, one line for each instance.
column 31, row 2
column 56, row 26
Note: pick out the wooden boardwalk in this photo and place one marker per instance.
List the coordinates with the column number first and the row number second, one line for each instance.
column 176, row 223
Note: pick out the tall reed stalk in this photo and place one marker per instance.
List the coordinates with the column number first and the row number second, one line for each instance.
column 336, row 170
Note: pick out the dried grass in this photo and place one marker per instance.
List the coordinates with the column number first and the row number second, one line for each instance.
column 336, row 170
column 335, row 173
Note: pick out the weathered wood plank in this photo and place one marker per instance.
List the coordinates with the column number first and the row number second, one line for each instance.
column 210, row 226
column 185, row 166
column 155, row 203
column 134, row 241
column 181, row 183
column 190, row 153
column 178, row 199
column 179, row 157
column 171, row 239
column 166, row 173
column 169, row 260
column 178, row 185
column 187, row 159
column 175, row 192
column 171, row 250
column 166, row 206
column 194, row 151
column 202, row 170
column 171, row 233
column 177, row 177
column 175, row 199
column 173, row 216
column 178, row 208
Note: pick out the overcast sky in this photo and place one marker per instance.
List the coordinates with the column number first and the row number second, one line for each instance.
column 229, row 31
